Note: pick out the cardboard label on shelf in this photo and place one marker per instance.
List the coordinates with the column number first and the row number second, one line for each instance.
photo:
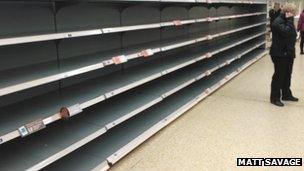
column 177, row 23
column 31, row 127
column 119, row 59
column 146, row 53
column 209, row 37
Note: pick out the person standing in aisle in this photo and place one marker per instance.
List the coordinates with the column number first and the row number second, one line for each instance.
column 274, row 13
column 282, row 53
column 301, row 30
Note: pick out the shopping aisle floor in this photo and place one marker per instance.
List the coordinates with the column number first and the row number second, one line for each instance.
column 236, row 121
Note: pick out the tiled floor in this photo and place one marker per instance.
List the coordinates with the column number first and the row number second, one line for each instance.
column 236, row 121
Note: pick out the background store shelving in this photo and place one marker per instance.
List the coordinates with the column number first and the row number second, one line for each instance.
column 83, row 83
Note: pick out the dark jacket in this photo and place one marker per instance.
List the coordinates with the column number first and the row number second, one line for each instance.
column 284, row 37
column 301, row 22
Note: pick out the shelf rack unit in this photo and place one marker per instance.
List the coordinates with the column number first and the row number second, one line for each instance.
column 80, row 92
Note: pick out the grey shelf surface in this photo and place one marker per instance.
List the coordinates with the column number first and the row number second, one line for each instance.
column 184, row 52
column 5, row 41
column 49, row 104
column 100, row 149
column 60, row 136
column 28, row 77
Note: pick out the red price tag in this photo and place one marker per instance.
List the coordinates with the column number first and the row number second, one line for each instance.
column 177, row 23
column 146, row 53
column 119, row 59
column 35, row 126
column 31, row 127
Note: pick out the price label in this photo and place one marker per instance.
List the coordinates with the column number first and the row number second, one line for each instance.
column 31, row 127
column 146, row 53
column 177, row 23
column 209, row 19
column 119, row 59
column 23, row 131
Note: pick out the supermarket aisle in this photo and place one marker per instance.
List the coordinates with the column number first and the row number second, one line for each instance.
column 236, row 121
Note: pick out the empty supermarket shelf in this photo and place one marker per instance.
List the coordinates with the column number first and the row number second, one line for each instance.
column 80, row 92
column 235, row 121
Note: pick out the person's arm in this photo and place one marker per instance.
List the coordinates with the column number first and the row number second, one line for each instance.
column 271, row 12
column 282, row 27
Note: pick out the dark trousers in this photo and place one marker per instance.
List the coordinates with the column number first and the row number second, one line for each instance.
column 280, row 85
column 302, row 41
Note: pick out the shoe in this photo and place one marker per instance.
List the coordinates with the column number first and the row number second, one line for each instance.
column 277, row 103
column 291, row 98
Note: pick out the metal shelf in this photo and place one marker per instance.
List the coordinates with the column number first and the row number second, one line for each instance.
column 83, row 129
column 84, row 97
column 99, row 31
column 28, row 77
column 115, row 144
column 97, row 90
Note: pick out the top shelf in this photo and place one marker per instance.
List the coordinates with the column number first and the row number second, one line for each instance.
column 99, row 31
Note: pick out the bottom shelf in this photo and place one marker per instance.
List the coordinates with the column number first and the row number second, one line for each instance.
column 106, row 150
